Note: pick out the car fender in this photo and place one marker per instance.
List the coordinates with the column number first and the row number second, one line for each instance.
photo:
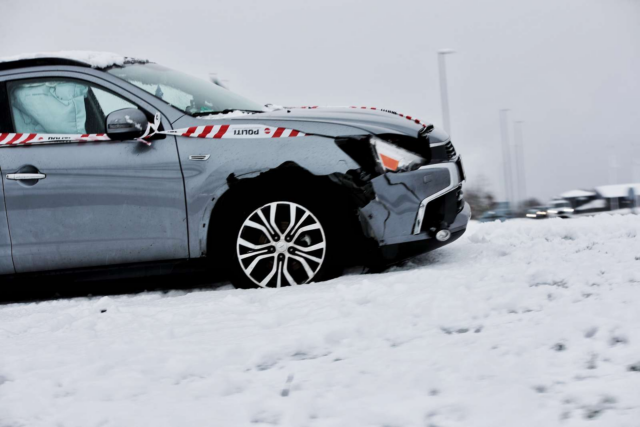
column 244, row 158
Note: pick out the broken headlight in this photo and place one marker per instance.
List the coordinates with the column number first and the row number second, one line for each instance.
column 393, row 158
column 385, row 153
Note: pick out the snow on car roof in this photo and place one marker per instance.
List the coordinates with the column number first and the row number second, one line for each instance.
column 577, row 193
column 617, row 190
column 94, row 59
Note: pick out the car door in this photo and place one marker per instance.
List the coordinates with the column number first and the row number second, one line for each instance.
column 95, row 203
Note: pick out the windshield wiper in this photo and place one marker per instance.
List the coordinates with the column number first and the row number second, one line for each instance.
column 226, row 111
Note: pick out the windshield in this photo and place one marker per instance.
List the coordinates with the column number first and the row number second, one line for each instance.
column 189, row 94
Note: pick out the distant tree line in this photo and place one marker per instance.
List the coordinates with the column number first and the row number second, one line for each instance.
column 481, row 199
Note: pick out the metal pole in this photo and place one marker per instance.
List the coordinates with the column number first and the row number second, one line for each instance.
column 506, row 155
column 444, row 94
column 522, row 181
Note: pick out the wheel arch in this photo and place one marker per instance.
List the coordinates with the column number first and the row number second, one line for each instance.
column 288, row 173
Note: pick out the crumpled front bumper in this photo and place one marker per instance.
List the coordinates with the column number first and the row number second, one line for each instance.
column 410, row 207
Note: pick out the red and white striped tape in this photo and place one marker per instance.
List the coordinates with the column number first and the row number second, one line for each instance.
column 207, row 131
column 9, row 139
column 235, row 132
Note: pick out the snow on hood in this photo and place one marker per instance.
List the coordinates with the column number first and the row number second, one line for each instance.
column 94, row 59
column 374, row 121
column 236, row 113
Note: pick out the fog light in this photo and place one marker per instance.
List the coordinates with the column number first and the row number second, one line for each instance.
column 443, row 235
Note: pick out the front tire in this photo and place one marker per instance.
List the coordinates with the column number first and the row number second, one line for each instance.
column 282, row 241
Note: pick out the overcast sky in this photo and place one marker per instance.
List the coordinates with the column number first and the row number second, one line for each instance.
column 569, row 68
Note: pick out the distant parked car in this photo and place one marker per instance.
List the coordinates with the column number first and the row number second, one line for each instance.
column 539, row 212
column 496, row 215
column 560, row 208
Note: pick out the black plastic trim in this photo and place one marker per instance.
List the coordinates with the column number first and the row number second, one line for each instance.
column 6, row 124
column 40, row 62
column 361, row 151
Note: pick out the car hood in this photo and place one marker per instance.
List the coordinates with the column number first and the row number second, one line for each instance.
column 360, row 120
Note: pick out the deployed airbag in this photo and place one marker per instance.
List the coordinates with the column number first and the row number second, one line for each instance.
column 51, row 107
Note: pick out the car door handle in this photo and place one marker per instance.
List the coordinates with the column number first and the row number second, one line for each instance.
column 21, row 176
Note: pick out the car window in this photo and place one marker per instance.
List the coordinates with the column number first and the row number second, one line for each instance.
column 109, row 102
column 172, row 96
column 61, row 106
column 189, row 94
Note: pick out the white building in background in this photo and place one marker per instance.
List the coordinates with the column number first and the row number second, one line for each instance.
column 604, row 198
column 619, row 196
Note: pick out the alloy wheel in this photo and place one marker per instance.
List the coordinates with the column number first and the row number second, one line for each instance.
column 281, row 244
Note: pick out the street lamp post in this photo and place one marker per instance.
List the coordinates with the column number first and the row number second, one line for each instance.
column 522, row 183
column 506, row 156
column 444, row 94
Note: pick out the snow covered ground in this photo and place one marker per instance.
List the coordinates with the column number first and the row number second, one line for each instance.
column 523, row 323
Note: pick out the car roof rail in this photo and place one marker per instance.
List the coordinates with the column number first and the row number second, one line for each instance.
column 39, row 62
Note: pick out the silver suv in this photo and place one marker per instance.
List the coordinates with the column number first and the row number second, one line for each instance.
column 127, row 163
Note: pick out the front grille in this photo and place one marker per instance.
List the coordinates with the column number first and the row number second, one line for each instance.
column 443, row 152
column 451, row 151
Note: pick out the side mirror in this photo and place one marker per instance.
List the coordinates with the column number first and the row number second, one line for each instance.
column 128, row 123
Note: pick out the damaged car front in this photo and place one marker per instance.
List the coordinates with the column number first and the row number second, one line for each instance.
column 416, row 182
